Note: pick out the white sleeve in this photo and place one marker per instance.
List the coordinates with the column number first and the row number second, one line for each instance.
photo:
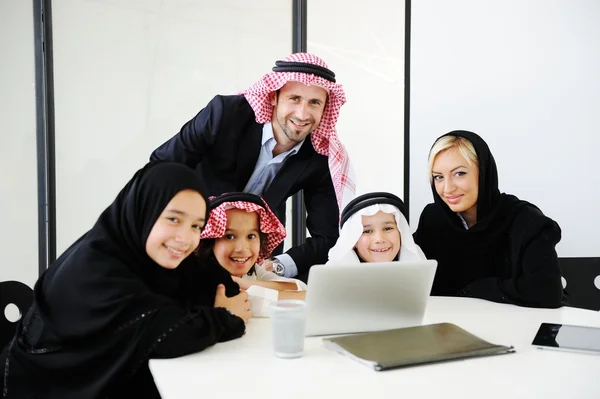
column 261, row 297
column 264, row 275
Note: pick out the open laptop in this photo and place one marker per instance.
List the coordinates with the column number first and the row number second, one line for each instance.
column 353, row 298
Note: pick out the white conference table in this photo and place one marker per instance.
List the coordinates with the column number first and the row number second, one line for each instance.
column 247, row 368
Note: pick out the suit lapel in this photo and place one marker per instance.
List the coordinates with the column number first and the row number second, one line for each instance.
column 248, row 150
column 288, row 175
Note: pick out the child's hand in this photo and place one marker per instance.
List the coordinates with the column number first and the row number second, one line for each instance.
column 244, row 284
column 238, row 305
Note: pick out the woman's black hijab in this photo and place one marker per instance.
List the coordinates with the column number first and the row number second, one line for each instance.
column 494, row 210
column 467, row 255
column 107, row 276
column 485, row 259
column 442, row 235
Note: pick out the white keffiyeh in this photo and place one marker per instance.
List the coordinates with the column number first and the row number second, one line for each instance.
column 343, row 250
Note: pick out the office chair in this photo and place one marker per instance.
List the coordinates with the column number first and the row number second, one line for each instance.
column 582, row 275
column 19, row 294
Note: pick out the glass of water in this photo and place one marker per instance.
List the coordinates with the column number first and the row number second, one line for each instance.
column 288, row 318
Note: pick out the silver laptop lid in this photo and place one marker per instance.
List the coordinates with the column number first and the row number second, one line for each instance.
column 365, row 297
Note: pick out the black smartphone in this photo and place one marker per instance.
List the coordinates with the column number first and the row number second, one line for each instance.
column 568, row 337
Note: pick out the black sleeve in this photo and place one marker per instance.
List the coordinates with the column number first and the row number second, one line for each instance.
column 536, row 279
column 172, row 331
column 194, row 140
column 422, row 236
column 322, row 218
column 200, row 276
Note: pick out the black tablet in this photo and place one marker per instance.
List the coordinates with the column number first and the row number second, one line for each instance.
column 568, row 337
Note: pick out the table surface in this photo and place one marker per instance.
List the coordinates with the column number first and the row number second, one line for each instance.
column 247, row 368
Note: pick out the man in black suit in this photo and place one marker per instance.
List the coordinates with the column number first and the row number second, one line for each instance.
column 256, row 142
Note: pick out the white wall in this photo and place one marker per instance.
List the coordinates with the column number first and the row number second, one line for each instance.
column 523, row 75
column 129, row 74
column 364, row 45
column 18, row 167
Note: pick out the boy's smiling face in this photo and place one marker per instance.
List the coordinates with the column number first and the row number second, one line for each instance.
column 380, row 240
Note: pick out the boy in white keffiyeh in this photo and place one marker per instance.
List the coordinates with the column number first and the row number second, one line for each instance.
column 255, row 142
column 373, row 228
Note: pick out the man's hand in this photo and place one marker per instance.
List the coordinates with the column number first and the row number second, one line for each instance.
column 239, row 305
column 267, row 264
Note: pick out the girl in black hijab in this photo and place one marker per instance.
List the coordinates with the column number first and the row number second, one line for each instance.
column 488, row 245
column 125, row 292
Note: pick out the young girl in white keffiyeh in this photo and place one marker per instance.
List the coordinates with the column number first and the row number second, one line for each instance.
column 240, row 232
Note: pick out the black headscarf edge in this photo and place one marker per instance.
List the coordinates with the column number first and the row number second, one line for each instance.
column 104, row 271
column 488, row 192
column 369, row 199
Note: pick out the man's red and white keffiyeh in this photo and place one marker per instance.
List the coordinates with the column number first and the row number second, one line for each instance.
column 324, row 138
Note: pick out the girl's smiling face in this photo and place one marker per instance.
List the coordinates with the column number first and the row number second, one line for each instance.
column 238, row 250
column 176, row 232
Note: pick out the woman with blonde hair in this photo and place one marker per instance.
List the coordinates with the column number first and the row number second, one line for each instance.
column 488, row 244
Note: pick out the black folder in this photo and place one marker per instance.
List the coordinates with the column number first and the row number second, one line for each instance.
column 402, row 347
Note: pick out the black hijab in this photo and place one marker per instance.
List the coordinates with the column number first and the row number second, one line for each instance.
column 100, row 273
column 104, row 307
column 494, row 210
column 488, row 193
column 481, row 251
column 508, row 255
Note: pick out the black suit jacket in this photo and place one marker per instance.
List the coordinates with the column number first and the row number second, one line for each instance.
column 223, row 142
